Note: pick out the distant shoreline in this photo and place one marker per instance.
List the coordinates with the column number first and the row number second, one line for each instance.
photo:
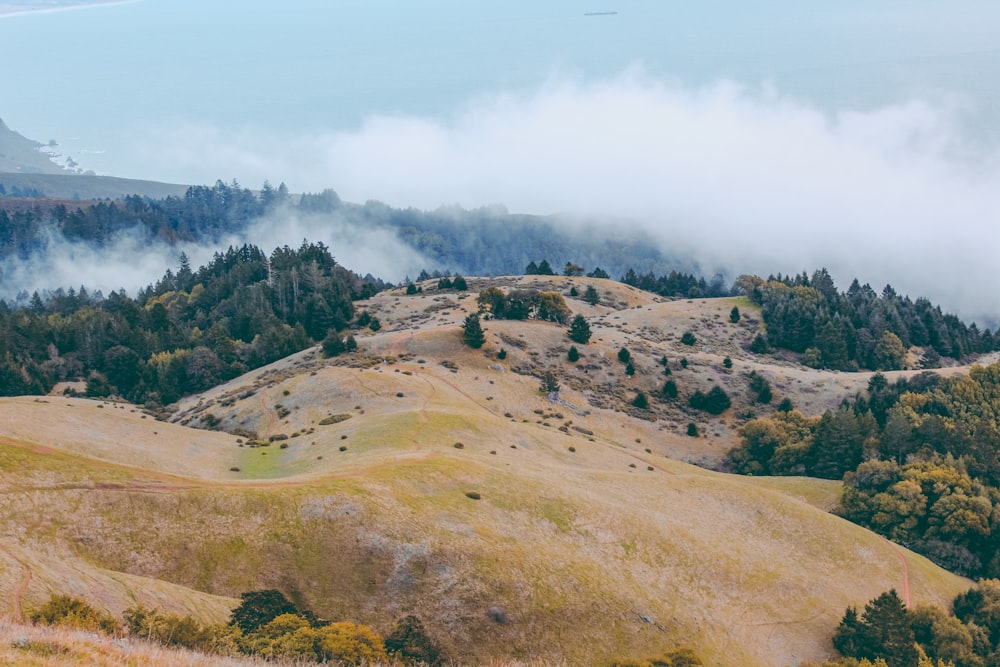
column 7, row 11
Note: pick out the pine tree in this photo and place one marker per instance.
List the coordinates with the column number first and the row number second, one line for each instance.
column 579, row 330
column 472, row 332
column 734, row 315
column 885, row 631
column 640, row 401
column 591, row 296
column 573, row 355
column 549, row 384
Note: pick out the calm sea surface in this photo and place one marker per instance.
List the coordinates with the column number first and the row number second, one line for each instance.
column 94, row 79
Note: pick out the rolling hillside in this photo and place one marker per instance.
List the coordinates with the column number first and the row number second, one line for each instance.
column 417, row 475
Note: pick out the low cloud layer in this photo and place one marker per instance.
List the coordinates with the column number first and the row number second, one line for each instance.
column 128, row 261
column 742, row 179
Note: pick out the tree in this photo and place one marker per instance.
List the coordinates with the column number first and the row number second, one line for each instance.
column 688, row 338
column 591, row 296
column 669, row 390
column 258, row 608
column 333, row 344
column 458, row 283
column 573, row 355
column 544, row 269
column 572, row 269
column 734, row 315
column 472, row 332
column 759, row 345
column 411, row 288
column 579, row 330
column 727, row 362
column 624, row 355
column 885, row 631
column 629, row 369
column 410, row 641
column 552, row 307
column 640, row 401
column 598, row 273
column 889, row 352
column 549, row 384
column 692, row 430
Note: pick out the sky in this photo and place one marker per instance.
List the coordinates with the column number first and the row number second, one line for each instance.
column 759, row 137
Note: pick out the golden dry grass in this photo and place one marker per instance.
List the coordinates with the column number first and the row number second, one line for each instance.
column 616, row 548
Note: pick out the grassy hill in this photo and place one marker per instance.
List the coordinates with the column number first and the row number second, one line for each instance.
column 420, row 476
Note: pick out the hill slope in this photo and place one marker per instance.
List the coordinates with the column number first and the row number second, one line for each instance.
column 587, row 539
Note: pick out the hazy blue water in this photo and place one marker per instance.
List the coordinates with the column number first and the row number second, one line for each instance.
column 95, row 78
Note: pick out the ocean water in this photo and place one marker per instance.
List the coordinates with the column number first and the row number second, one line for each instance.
column 107, row 82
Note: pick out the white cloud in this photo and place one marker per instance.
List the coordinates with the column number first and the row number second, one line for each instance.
column 745, row 179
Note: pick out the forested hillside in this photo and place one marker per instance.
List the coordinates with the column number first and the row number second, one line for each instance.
column 857, row 329
column 191, row 331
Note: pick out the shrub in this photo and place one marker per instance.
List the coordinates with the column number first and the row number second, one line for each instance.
column 66, row 611
column 734, row 315
column 727, row 362
column 350, row 643
column 688, row 338
column 640, row 401
column 692, row 430
column 501, row 355
column 573, row 355
column 549, row 384
column 715, row 402
column 629, row 369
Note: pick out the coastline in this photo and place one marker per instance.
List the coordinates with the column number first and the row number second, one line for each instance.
column 8, row 10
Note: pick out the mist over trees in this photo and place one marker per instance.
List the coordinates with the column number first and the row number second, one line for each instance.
column 190, row 331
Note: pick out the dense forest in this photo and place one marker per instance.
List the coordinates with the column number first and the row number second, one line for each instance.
column 920, row 460
column 190, row 331
column 857, row 329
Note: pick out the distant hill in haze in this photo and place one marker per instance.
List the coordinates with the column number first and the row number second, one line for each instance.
column 25, row 170
column 18, row 154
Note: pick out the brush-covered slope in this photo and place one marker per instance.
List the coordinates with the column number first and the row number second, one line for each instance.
column 420, row 476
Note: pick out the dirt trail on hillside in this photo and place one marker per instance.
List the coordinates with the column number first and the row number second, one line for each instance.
column 270, row 416
column 22, row 585
column 906, row 571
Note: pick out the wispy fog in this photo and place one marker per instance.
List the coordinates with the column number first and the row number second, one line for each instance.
column 746, row 179
column 130, row 262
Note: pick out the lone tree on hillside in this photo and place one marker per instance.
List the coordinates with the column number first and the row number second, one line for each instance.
column 640, row 401
column 579, row 330
column 549, row 384
column 573, row 355
column 472, row 332
column 591, row 296
column 624, row 355
column 734, row 315
column 688, row 338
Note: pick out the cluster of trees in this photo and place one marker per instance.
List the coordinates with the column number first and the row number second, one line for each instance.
column 189, row 332
column 968, row 636
column 265, row 624
column 677, row 284
column 858, row 328
column 522, row 304
column 920, row 459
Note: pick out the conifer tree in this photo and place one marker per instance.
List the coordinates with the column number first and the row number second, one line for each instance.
column 579, row 330
column 472, row 332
